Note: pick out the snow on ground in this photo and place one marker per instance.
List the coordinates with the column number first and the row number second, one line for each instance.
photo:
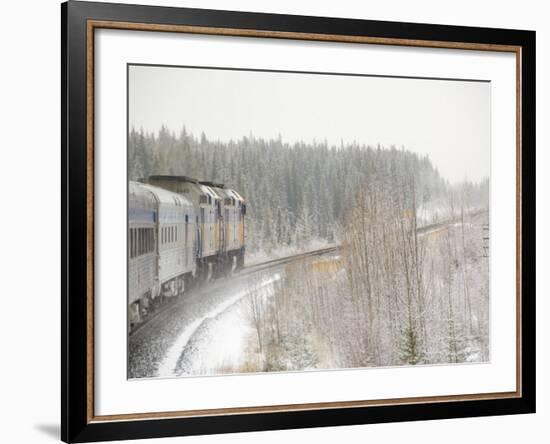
column 226, row 329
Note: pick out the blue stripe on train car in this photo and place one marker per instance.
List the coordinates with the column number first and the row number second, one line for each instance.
column 141, row 215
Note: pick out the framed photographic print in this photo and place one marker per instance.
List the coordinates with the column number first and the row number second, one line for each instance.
column 275, row 221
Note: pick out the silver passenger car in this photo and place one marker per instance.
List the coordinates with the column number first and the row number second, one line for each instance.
column 142, row 256
column 176, row 240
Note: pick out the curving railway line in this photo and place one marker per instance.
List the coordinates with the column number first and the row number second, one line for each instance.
column 247, row 270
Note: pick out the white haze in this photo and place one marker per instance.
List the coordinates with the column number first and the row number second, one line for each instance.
column 447, row 120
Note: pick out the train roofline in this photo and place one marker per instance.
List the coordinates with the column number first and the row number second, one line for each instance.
column 209, row 183
column 174, row 178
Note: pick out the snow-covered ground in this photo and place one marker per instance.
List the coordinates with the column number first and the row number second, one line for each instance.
column 208, row 316
column 214, row 340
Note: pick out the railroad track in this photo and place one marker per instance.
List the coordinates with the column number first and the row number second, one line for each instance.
column 439, row 225
column 285, row 260
column 254, row 268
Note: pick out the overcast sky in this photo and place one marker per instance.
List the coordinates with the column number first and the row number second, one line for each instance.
column 448, row 120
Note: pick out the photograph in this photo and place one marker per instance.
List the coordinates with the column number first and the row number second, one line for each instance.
column 283, row 221
column 275, row 220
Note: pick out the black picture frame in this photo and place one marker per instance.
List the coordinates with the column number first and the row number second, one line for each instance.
column 77, row 424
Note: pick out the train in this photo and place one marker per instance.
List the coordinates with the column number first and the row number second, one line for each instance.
column 181, row 232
